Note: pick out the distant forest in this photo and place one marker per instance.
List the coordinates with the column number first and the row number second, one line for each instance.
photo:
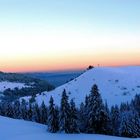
column 34, row 86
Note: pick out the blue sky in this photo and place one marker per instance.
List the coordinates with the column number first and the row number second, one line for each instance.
column 121, row 14
column 63, row 26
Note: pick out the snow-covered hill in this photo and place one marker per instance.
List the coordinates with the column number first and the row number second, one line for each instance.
column 116, row 84
column 11, row 85
column 15, row 85
column 22, row 130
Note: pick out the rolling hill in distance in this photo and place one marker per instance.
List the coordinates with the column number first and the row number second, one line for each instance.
column 116, row 85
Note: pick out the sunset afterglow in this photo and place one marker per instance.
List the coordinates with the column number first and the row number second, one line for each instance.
column 47, row 35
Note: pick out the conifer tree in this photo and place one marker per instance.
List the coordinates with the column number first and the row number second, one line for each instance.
column 64, row 122
column 73, row 118
column 23, row 109
column 115, row 119
column 43, row 113
column 136, row 103
column 52, row 117
column 57, row 118
column 130, row 124
column 36, row 113
column 95, row 111
column 30, row 112
column 9, row 110
column 17, row 111
column 82, row 118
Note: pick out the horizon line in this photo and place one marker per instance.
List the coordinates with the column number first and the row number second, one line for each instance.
column 68, row 70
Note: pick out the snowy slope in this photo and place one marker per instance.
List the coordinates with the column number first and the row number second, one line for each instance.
column 22, row 130
column 5, row 85
column 116, row 84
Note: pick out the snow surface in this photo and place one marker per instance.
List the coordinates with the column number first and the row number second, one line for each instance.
column 116, row 85
column 5, row 85
column 11, row 129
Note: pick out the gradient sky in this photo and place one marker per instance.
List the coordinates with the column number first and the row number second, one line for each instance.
column 44, row 35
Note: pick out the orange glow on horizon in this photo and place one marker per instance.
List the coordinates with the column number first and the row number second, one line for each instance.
column 64, row 68
column 69, row 63
column 56, row 50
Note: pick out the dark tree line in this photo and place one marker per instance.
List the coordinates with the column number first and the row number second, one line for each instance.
column 93, row 116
